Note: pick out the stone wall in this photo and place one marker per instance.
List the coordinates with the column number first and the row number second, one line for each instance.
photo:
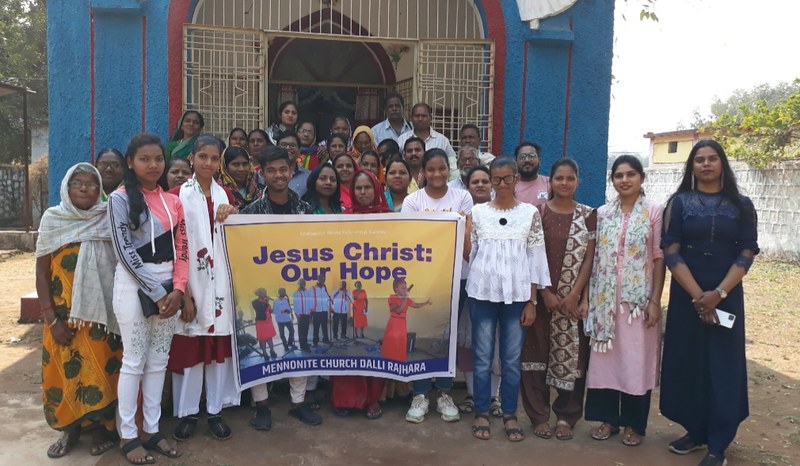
column 775, row 192
column 12, row 191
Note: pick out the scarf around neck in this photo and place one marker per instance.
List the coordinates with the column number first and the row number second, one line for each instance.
column 600, row 324
column 94, row 270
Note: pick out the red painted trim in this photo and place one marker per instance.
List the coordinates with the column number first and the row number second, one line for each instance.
column 568, row 95
column 496, row 30
column 144, row 73
column 91, row 84
column 524, row 91
column 178, row 15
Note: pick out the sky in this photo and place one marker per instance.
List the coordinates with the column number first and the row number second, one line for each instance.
column 697, row 50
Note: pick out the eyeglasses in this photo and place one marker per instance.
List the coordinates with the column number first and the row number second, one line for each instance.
column 81, row 185
column 287, row 145
column 106, row 165
column 528, row 156
column 305, row 131
column 508, row 179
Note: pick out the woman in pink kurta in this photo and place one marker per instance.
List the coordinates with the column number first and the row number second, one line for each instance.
column 625, row 308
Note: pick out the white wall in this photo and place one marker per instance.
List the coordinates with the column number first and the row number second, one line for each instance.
column 775, row 192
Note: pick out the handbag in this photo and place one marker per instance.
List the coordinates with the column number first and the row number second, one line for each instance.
column 149, row 307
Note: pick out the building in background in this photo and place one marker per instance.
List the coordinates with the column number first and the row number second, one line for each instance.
column 673, row 146
column 518, row 69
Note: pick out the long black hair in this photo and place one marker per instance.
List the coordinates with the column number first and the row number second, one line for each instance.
column 562, row 162
column 729, row 187
column 311, row 195
column 136, row 203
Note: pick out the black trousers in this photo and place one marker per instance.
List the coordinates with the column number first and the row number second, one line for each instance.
column 339, row 321
column 282, row 329
column 303, row 323
column 617, row 408
column 321, row 320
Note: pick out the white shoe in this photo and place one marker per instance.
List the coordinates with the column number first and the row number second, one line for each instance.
column 419, row 408
column 447, row 408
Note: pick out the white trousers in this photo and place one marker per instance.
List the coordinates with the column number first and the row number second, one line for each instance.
column 297, row 390
column 145, row 353
column 221, row 389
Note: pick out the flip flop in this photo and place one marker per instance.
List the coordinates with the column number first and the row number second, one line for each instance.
column 133, row 445
column 467, row 405
column 153, row 444
column 605, row 431
column 563, row 430
column 631, row 438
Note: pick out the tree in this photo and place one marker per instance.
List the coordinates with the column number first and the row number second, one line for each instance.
column 731, row 105
column 23, row 62
column 760, row 132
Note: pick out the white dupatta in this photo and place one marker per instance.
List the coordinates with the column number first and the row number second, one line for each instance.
column 208, row 278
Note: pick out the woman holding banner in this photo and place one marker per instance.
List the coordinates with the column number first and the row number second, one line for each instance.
column 359, row 392
column 507, row 265
column 436, row 196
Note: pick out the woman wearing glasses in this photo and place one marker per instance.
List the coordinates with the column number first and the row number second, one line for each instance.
column 507, row 264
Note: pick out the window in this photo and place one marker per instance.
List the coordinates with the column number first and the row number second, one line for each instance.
column 673, row 147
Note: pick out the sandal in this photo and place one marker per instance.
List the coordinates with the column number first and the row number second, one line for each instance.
column 495, row 407
column 185, row 429
column 543, row 431
column 342, row 412
column 218, row 428
column 100, row 446
column 563, row 430
column 513, row 434
column 631, row 438
column 63, row 445
column 374, row 411
column 467, row 405
column 153, row 444
column 605, row 431
column 482, row 432
column 132, row 445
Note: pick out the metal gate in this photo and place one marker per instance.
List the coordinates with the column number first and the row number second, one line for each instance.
column 456, row 78
column 224, row 75
column 225, row 78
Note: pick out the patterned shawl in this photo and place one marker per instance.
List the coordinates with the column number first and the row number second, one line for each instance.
column 601, row 321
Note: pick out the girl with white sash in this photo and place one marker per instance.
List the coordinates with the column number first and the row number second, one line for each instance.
column 201, row 348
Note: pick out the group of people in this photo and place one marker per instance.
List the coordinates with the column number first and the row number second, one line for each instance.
column 555, row 294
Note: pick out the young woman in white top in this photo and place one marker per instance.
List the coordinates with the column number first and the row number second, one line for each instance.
column 436, row 196
column 507, row 263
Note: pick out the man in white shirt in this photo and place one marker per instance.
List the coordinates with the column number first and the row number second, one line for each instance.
column 470, row 135
column 532, row 187
column 421, row 117
column 395, row 125
column 467, row 159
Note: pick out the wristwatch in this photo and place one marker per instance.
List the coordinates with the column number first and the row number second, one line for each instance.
column 722, row 293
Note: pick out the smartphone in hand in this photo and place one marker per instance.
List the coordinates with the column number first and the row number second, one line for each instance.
column 726, row 319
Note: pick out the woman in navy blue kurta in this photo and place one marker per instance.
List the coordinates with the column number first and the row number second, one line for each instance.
column 709, row 241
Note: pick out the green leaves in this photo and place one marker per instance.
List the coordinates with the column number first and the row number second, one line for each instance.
column 761, row 133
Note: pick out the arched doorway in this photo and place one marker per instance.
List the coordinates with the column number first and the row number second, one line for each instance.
column 455, row 77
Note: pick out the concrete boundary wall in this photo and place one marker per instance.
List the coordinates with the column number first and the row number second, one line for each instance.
column 775, row 192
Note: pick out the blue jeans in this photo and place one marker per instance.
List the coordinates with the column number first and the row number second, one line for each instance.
column 423, row 386
column 485, row 317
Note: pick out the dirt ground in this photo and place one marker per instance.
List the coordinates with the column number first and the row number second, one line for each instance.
column 770, row 436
